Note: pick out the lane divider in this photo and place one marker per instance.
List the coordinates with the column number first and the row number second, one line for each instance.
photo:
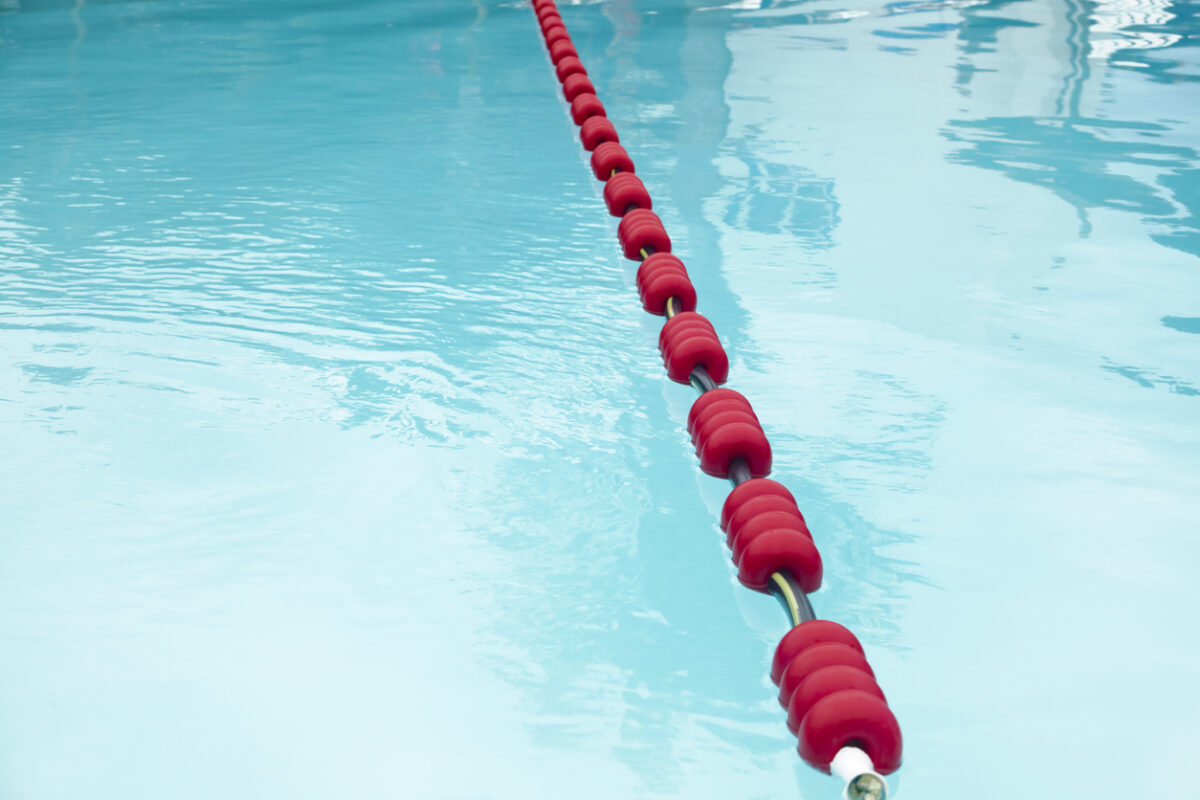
column 833, row 703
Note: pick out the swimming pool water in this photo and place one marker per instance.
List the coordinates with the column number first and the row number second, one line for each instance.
column 338, row 457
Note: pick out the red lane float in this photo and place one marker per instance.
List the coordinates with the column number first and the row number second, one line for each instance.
column 750, row 490
column 819, row 656
column 725, row 429
column 821, row 683
column 595, row 131
column 641, row 233
column 719, row 417
column 577, row 84
column 825, row 682
column 624, row 190
column 661, row 277
column 701, row 405
column 758, row 508
column 851, row 719
column 585, row 106
column 719, row 402
column 735, row 441
column 569, row 65
column 762, row 525
column 687, row 341
column 832, row 697
column 608, row 158
column 783, row 552
column 805, row 635
column 562, row 49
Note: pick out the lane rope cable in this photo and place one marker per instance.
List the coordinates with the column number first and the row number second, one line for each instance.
column 833, row 703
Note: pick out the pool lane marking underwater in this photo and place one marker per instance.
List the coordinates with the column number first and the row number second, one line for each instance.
column 834, row 705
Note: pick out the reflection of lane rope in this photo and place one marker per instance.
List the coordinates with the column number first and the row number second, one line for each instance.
column 833, row 702
column 1077, row 49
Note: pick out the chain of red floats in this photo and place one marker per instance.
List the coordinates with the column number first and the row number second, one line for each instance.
column 825, row 684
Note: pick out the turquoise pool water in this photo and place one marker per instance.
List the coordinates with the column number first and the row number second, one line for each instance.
column 339, row 461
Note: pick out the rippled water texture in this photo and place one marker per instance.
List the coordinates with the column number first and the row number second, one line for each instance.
column 339, row 461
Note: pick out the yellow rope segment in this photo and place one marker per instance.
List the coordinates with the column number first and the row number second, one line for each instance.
column 786, row 590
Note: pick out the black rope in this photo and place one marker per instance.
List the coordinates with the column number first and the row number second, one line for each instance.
column 701, row 381
column 787, row 591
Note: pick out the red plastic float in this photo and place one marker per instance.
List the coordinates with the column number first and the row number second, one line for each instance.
column 819, row 656
column 662, row 277
column 749, row 490
column 562, row 49
column 569, row 65
column 577, row 84
column 784, row 552
column 646, row 238
column 656, row 264
column 719, row 415
column 851, row 718
column 624, row 190
column 722, row 406
column 595, row 131
column 719, row 407
column 608, row 158
column 757, row 507
column 709, row 398
column 688, row 341
column 585, row 106
column 821, row 683
column 683, row 334
column 697, row 350
column 641, row 230
column 723, row 403
column 664, row 286
column 760, row 526
column 690, row 319
column 737, row 441
column 805, row 635
column 633, row 218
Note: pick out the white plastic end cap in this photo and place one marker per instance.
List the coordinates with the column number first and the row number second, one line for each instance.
column 855, row 769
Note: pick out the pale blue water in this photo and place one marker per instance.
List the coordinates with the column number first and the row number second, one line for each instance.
column 339, row 461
